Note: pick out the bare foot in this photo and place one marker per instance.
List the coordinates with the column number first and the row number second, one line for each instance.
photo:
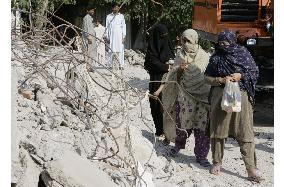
column 254, row 175
column 215, row 169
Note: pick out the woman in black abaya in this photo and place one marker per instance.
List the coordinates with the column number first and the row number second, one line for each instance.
column 159, row 52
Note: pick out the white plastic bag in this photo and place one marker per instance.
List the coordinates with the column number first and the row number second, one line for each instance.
column 232, row 97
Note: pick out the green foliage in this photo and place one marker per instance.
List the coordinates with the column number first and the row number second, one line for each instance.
column 56, row 3
column 205, row 44
column 176, row 14
column 36, row 4
column 39, row 7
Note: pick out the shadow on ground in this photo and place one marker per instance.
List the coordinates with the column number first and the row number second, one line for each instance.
column 139, row 84
column 264, row 109
column 181, row 158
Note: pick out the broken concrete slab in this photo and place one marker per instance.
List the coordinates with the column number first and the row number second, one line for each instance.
column 31, row 171
column 146, row 179
column 74, row 171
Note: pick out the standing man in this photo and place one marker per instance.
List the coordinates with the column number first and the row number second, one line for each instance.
column 115, row 34
column 89, row 38
column 18, row 20
column 100, row 30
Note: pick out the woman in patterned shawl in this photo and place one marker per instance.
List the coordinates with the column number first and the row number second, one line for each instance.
column 191, row 97
column 232, row 62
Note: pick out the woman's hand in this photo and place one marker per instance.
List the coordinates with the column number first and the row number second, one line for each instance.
column 170, row 67
column 236, row 77
column 89, row 41
column 223, row 80
column 156, row 93
column 183, row 66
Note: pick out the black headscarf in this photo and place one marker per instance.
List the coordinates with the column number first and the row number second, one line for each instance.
column 234, row 59
column 159, row 49
column 114, row 4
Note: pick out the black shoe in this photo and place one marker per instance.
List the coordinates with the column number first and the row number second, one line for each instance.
column 203, row 162
column 159, row 134
column 91, row 70
column 174, row 151
column 166, row 142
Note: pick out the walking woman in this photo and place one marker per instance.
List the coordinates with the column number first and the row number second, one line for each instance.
column 232, row 62
column 159, row 52
column 191, row 104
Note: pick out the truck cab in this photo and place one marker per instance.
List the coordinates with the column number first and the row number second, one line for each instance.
column 251, row 20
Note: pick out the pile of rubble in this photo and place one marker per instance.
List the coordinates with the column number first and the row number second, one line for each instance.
column 75, row 127
column 51, row 120
column 134, row 57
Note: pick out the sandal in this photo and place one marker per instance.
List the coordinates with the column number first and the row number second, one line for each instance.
column 90, row 69
column 256, row 177
column 174, row 151
column 215, row 169
column 203, row 162
column 159, row 134
column 166, row 142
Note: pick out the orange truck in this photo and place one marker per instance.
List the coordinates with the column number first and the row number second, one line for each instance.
column 251, row 20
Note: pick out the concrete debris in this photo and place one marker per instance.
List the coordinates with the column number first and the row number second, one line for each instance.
column 146, row 178
column 71, row 170
column 31, row 170
column 27, row 94
column 134, row 57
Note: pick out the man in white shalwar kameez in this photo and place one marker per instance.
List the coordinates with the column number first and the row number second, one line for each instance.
column 100, row 31
column 16, row 21
column 89, row 39
column 115, row 34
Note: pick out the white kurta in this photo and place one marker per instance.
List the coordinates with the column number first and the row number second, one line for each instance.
column 13, row 21
column 89, row 32
column 18, row 22
column 100, row 31
column 116, row 31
